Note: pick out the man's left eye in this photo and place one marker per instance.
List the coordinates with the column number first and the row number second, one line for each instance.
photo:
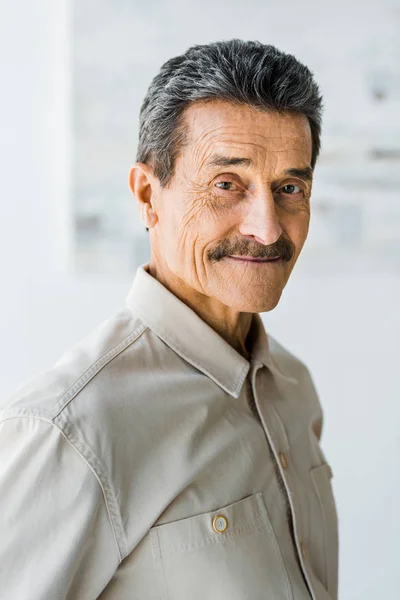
column 291, row 186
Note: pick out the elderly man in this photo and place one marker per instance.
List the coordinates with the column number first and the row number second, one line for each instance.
column 175, row 452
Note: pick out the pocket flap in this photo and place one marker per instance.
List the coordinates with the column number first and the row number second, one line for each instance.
column 192, row 532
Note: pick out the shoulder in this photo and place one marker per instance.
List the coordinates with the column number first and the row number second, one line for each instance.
column 79, row 407
column 288, row 363
column 48, row 393
column 292, row 372
column 84, row 392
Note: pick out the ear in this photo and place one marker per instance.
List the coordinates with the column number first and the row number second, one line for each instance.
column 142, row 183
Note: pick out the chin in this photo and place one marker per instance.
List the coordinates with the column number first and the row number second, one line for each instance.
column 252, row 303
column 247, row 288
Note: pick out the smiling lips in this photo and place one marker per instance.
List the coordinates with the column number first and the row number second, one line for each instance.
column 255, row 259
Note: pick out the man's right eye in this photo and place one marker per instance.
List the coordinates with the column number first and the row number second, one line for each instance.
column 224, row 185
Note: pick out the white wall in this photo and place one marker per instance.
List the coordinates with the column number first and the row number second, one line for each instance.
column 43, row 307
column 346, row 328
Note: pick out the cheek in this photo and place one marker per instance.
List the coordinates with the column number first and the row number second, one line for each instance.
column 297, row 229
column 182, row 231
column 207, row 215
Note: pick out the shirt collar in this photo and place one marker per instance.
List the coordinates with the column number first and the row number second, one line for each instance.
column 192, row 338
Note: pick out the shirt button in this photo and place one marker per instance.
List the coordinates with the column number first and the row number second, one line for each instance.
column 303, row 550
column 283, row 460
column 220, row 523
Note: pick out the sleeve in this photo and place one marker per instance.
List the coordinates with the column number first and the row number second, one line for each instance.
column 56, row 539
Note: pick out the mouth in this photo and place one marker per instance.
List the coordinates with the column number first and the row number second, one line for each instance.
column 252, row 259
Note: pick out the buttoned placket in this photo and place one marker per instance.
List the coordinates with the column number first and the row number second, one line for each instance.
column 279, row 445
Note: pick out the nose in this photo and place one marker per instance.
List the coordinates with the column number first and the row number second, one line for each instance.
column 260, row 219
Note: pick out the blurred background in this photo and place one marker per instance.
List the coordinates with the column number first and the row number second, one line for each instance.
column 73, row 76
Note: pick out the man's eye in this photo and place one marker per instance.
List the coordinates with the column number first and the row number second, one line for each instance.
column 225, row 185
column 290, row 191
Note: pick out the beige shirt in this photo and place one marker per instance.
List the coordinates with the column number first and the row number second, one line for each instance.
column 153, row 461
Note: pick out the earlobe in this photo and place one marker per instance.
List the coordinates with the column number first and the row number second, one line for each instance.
column 148, row 216
column 141, row 184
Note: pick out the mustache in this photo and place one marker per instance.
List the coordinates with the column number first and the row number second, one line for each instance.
column 226, row 247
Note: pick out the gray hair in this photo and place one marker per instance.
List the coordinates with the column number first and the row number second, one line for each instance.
column 237, row 71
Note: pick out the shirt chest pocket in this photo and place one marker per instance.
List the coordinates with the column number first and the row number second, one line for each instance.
column 228, row 554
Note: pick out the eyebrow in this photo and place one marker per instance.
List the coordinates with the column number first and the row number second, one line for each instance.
column 218, row 160
column 305, row 173
column 225, row 161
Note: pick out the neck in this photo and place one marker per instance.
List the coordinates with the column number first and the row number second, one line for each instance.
column 231, row 325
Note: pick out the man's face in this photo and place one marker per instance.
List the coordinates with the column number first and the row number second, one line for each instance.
column 231, row 206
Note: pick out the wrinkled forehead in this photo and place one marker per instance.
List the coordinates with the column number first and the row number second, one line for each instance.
column 222, row 128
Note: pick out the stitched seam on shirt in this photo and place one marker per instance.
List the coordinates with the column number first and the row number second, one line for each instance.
column 324, row 524
column 159, row 564
column 83, row 447
column 13, row 413
column 91, row 371
column 19, row 414
column 256, row 524
column 242, row 377
column 95, row 465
